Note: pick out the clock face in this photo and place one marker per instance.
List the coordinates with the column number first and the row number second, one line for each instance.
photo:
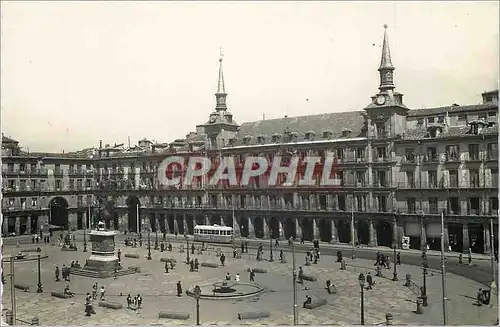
column 380, row 99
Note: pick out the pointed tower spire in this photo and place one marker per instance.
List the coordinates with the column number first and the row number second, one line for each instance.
column 221, row 94
column 386, row 68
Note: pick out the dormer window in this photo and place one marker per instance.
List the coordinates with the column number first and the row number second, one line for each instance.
column 261, row 139
column 276, row 137
column 232, row 141
column 294, row 136
column 247, row 139
column 327, row 134
column 433, row 131
column 346, row 132
column 310, row 136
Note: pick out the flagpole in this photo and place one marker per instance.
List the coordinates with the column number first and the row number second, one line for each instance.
column 443, row 272
column 353, row 235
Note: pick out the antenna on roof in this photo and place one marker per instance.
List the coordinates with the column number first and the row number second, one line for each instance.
column 129, row 142
column 263, row 116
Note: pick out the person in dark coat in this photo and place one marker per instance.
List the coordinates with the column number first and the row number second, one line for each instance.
column 57, row 274
column 369, row 281
column 242, row 247
column 192, row 249
column 179, row 289
column 398, row 259
column 222, row 259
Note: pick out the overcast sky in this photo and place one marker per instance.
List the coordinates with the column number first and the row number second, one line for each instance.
column 77, row 72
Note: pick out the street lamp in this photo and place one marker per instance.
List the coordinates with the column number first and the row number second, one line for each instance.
column 149, row 245
column 424, row 272
column 395, row 272
column 40, row 287
column 271, row 259
column 156, row 238
column 187, row 247
column 197, row 292
column 361, row 280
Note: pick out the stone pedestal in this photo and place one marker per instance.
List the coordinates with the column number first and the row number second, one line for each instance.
column 103, row 256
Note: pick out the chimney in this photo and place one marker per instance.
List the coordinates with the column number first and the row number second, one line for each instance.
column 100, row 144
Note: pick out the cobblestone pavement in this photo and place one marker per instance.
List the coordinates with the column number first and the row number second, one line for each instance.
column 158, row 291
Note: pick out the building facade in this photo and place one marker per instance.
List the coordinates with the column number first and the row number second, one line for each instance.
column 399, row 169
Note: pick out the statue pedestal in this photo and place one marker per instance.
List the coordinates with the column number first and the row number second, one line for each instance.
column 103, row 256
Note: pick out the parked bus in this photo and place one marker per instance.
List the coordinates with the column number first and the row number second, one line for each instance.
column 215, row 233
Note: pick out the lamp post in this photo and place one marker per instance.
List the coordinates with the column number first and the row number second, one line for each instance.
column 294, row 287
column 361, row 280
column 156, row 236
column 197, row 292
column 395, row 272
column 271, row 259
column 149, row 245
column 40, row 287
column 187, row 247
column 424, row 272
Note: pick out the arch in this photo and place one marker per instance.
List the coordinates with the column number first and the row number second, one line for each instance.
column 325, row 230
column 243, row 226
column 59, row 212
column 258, row 225
column 344, row 231
column 289, row 226
column 274, row 227
column 307, row 229
column 384, row 233
column 190, row 224
column 363, row 231
column 476, row 237
column 133, row 207
column 455, row 234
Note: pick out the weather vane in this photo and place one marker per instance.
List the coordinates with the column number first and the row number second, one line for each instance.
column 220, row 52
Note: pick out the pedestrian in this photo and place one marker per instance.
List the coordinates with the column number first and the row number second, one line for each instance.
column 196, row 264
column 369, row 281
column 276, row 243
column 94, row 291
column 252, row 276
column 460, row 259
column 166, row 267
column 398, row 259
column 191, row 263
column 139, row 301
column 281, row 255
column 479, row 297
column 234, row 252
column 246, row 246
column 102, row 293
column 222, row 259
column 470, row 256
column 57, row 273
column 301, row 275
column 129, row 301
column 302, row 240
column 119, row 254
column 33, row 239
column 192, row 249
column 307, row 301
column 242, row 247
column 179, row 289
column 228, row 276
column 162, row 246
column 237, row 277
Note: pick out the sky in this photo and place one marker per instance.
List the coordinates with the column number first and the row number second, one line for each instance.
column 75, row 73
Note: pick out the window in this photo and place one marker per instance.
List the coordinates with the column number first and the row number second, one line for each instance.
column 22, row 184
column 88, row 183
column 340, row 154
column 492, row 151
column 492, row 114
column 452, row 152
column 453, row 178
column 380, row 178
column 410, row 155
column 420, row 122
column 23, row 203
column 89, row 199
column 410, row 182
column 340, row 176
column 381, row 153
column 22, row 168
column 454, row 206
column 71, row 184
column 432, row 154
column 360, row 202
column 79, row 201
column 360, row 154
column 474, row 178
column 493, row 206
column 432, row 178
column 33, row 184
column 33, row 202
column 322, row 202
column 474, row 206
column 360, row 178
column 382, row 203
column 305, row 202
column 430, row 120
column 494, row 178
column 242, row 201
column 433, row 205
column 381, row 130
column 10, row 167
column 473, row 151
column 410, row 205
column 341, row 202
column 11, row 202
column 33, row 168
column 12, row 184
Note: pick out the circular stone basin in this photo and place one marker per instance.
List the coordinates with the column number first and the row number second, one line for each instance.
column 24, row 257
column 227, row 290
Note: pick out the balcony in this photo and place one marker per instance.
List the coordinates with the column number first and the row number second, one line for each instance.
column 431, row 159
column 408, row 161
column 452, row 158
column 77, row 171
column 58, row 172
column 492, row 156
column 473, row 157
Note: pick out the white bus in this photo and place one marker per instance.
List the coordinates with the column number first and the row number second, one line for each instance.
column 215, row 233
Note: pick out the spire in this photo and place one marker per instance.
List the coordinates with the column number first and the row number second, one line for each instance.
column 386, row 68
column 221, row 94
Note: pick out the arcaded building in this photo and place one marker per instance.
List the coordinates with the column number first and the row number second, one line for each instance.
column 399, row 169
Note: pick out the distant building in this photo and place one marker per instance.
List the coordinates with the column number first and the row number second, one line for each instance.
column 399, row 168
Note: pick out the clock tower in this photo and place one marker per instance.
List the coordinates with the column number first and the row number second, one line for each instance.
column 386, row 114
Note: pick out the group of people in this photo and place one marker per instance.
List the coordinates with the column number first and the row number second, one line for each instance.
column 65, row 272
column 134, row 303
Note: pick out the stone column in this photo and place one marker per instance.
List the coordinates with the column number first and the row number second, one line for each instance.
column 5, row 224
column 236, row 227
column 184, row 224
column 446, row 237
column 395, row 234
column 28, row 225
column 465, row 238
column 487, row 239
column 207, row 220
column 167, row 225
column 281, row 230
column 298, row 228
column 373, row 234
column 251, row 230
column 354, row 231
column 316, row 234
column 265, row 228
column 333, row 228
column 222, row 221
column 18, row 225
column 176, row 225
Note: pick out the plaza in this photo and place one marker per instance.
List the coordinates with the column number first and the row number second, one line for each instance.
column 158, row 290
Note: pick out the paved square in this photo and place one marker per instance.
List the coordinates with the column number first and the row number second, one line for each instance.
column 158, row 290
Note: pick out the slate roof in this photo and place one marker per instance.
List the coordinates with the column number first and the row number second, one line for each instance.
column 6, row 139
column 453, row 109
column 453, row 131
column 334, row 122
